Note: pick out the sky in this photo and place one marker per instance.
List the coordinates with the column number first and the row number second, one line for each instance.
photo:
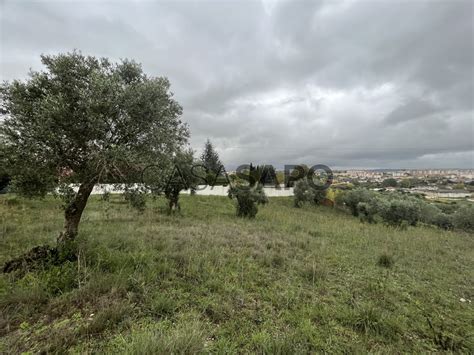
column 349, row 84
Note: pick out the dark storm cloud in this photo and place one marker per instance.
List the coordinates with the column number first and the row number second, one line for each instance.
column 345, row 83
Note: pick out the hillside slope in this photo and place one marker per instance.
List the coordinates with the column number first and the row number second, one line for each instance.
column 308, row 279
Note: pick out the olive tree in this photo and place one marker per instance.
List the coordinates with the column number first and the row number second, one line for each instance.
column 249, row 196
column 305, row 192
column 185, row 175
column 83, row 119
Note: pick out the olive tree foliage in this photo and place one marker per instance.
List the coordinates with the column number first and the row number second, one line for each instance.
column 251, row 195
column 464, row 218
column 305, row 192
column 185, row 175
column 351, row 199
column 390, row 182
column 400, row 212
column 84, row 120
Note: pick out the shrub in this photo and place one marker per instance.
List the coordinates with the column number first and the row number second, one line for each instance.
column 367, row 211
column 464, row 218
column 247, row 199
column 443, row 220
column 182, row 178
column 304, row 192
column 428, row 213
column 398, row 211
column 447, row 208
column 385, row 260
column 390, row 182
column 352, row 198
column 61, row 279
column 136, row 199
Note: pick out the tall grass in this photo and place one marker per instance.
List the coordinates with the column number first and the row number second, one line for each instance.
column 307, row 280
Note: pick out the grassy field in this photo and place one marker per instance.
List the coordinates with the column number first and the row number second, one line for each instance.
column 292, row 280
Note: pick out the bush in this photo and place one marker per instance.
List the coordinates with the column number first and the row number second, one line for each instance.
column 352, row 198
column 443, row 220
column 385, row 260
column 247, row 199
column 401, row 211
column 304, row 192
column 464, row 218
column 136, row 199
column 390, row 182
column 367, row 211
column 447, row 208
column 428, row 213
column 61, row 279
column 398, row 211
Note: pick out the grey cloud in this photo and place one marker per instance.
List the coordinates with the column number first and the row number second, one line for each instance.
column 345, row 83
column 411, row 110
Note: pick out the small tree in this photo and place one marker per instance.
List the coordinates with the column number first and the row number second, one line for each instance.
column 368, row 210
column 464, row 218
column 352, row 198
column 248, row 197
column 135, row 198
column 390, row 182
column 269, row 176
column 83, row 119
column 210, row 158
column 443, row 221
column 304, row 192
column 399, row 211
column 182, row 177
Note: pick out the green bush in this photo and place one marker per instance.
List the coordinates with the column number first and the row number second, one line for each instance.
column 136, row 199
column 385, row 260
column 390, row 182
column 399, row 211
column 247, row 199
column 428, row 212
column 249, row 196
column 464, row 218
column 447, row 208
column 352, row 198
column 61, row 279
column 443, row 221
column 304, row 192
column 367, row 211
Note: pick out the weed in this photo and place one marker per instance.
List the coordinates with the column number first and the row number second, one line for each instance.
column 385, row 260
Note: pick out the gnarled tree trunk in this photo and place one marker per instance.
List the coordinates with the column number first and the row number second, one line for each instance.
column 66, row 248
column 72, row 217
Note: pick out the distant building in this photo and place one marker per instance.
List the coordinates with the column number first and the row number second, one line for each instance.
column 442, row 193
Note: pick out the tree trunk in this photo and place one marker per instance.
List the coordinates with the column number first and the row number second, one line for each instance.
column 173, row 205
column 72, row 217
column 66, row 248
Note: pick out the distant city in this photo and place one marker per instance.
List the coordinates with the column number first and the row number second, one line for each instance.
column 432, row 183
column 381, row 174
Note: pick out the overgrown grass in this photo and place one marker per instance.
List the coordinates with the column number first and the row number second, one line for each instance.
column 291, row 280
